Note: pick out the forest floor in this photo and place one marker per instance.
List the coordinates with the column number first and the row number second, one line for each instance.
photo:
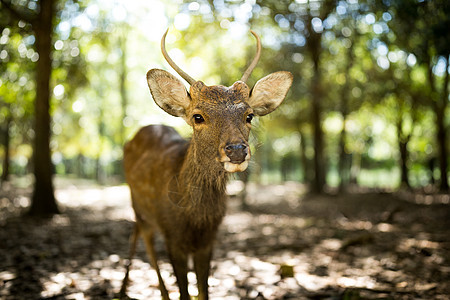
column 286, row 244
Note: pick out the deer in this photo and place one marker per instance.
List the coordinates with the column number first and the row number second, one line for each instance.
column 178, row 186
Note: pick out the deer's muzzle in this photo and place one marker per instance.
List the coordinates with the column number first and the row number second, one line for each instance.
column 238, row 156
column 236, row 152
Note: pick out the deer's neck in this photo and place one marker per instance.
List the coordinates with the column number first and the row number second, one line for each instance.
column 201, row 184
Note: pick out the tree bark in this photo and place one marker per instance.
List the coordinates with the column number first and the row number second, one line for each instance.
column 319, row 159
column 442, row 132
column 343, row 167
column 315, row 47
column 307, row 177
column 403, row 150
column 344, row 172
column 6, row 147
column 440, row 106
column 43, row 199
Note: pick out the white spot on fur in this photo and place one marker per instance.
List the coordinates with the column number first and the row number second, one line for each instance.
column 236, row 105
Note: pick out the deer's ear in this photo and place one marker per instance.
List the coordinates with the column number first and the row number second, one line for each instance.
column 168, row 92
column 269, row 92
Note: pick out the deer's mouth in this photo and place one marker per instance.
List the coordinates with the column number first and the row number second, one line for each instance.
column 234, row 157
column 234, row 167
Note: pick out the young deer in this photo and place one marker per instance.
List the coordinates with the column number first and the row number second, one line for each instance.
column 178, row 186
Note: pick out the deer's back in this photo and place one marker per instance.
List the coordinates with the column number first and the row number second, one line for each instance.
column 151, row 159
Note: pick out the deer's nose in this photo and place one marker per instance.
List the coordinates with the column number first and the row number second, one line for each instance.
column 236, row 152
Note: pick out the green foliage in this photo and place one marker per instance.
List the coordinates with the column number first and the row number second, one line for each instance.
column 375, row 60
column 16, row 91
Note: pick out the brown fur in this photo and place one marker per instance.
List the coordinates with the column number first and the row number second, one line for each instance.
column 185, row 192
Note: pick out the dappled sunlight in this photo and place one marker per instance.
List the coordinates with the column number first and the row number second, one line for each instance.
column 385, row 227
column 346, row 194
column 289, row 193
column 359, row 282
column 98, row 198
column 427, row 198
column 407, row 244
column 331, row 244
column 287, row 243
column 354, row 225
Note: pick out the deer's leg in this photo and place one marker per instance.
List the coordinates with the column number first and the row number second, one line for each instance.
column 202, row 259
column 179, row 263
column 133, row 241
column 149, row 245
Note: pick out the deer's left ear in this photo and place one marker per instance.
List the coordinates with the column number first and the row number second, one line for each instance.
column 269, row 92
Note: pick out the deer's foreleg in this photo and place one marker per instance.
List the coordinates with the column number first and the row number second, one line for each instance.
column 202, row 259
column 179, row 263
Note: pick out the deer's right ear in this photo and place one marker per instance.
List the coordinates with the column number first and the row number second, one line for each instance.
column 168, row 92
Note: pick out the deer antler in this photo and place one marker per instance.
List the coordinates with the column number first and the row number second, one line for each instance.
column 183, row 74
column 255, row 60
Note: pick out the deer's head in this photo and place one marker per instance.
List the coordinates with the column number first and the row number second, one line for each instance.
column 220, row 116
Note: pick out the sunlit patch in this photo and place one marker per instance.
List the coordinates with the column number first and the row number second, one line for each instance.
column 332, row 244
column 97, row 198
column 406, row 244
column 361, row 281
column 385, row 227
column 312, row 282
column 60, row 220
column 62, row 280
column 354, row 224
column 7, row 276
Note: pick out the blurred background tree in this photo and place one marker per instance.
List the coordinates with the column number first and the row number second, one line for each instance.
column 36, row 18
column 368, row 107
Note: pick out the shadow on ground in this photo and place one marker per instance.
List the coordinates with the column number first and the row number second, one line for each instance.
column 285, row 245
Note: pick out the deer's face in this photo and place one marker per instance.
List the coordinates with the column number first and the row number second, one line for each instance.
column 221, row 119
column 220, row 116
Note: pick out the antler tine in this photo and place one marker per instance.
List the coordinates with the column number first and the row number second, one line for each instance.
column 255, row 60
column 183, row 74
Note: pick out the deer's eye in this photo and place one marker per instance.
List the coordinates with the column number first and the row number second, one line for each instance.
column 250, row 118
column 198, row 119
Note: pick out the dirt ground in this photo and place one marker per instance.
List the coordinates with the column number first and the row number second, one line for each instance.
column 286, row 244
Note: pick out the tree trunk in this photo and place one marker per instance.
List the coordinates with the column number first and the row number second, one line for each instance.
column 307, row 178
column 43, row 200
column 314, row 46
column 402, row 140
column 343, row 166
column 319, row 159
column 100, row 175
column 344, row 169
column 6, row 147
column 440, row 105
column 355, row 167
column 319, row 163
column 442, row 132
column 403, row 148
